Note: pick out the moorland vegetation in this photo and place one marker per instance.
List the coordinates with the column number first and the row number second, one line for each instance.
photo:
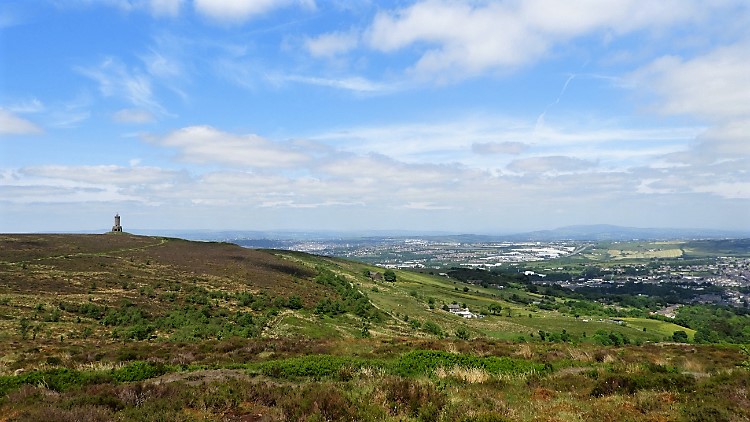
column 123, row 327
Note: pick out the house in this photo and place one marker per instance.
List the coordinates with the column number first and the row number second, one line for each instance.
column 462, row 312
column 374, row 275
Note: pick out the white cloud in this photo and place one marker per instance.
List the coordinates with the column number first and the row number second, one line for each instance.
column 426, row 206
column 331, row 44
column 135, row 116
column 730, row 190
column 204, row 144
column 713, row 86
column 85, row 184
column 160, row 66
column 355, row 84
column 103, row 174
column 115, row 79
column 165, row 7
column 490, row 141
column 551, row 164
column 236, row 11
column 512, row 148
column 10, row 124
column 32, row 105
column 459, row 39
column 157, row 8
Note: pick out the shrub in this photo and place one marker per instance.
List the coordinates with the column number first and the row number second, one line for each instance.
column 462, row 333
column 631, row 383
column 319, row 402
column 680, row 336
column 432, row 328
column 295, row 302
column 59, row 379
column 424, row 362
column 139, row 371
column 414, row 398
column 314, row 366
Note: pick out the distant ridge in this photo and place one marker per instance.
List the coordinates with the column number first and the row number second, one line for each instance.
column 594, row 232
column 603, row 232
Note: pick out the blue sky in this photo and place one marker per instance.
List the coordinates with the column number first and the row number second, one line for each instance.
column 465, row 116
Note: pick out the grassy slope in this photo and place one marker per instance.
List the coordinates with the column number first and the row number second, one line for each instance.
column 410, row 295
column 39, row 271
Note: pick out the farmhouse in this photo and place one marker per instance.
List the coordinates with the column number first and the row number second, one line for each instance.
column 462, row 312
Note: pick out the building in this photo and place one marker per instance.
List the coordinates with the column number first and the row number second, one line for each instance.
column 117, row 228
column 462, row 312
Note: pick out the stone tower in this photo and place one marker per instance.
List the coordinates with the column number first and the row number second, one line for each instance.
column 117, row 227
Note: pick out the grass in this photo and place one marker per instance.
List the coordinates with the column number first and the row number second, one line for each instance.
column 420, row 384
column 662, row 328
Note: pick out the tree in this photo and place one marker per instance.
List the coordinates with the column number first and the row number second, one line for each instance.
column 389, row 275
column 462, row 333
column 23, row 327
column 295, row 302
column 680, row 336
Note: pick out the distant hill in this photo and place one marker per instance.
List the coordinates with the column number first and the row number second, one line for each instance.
column 603, row 232
column 598, row 232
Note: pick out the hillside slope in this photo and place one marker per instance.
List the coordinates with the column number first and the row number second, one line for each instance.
column 120, row 286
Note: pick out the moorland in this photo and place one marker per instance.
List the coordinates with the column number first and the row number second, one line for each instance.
column 124, row 327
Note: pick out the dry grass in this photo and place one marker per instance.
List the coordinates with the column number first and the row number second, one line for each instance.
column 525, row 351
column 467, row 375
column 579, row 354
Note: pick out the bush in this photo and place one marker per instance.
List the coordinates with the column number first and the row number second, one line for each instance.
column 680, row 336
column 414, row 398
column 462, row 333
column 139, row 371
column 314, row 366
column 56, row 379
column 389, row 275
column 425, row 362
column 631, row 383
column 319, row 402
column 432, row 328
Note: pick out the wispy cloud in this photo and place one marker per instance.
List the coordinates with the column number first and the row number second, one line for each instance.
column 551, row 165
column 31, row 105
column 11, row 124
column 238, row 11
column 134, row 116
column 86, row 184
column 204, row 144
column 355, row 84
column 332, row 44
column 512, row 148
column 116, row 79
column 460, row 39
column 165, row 7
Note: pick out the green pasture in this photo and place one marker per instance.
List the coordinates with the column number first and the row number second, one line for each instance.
column 662, row 328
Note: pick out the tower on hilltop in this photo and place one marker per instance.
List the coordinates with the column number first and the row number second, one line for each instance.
column 117, row 227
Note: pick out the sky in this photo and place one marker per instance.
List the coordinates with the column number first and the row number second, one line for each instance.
column 349, row 115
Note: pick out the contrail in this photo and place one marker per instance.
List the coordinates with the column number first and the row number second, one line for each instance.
column 540, row 119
